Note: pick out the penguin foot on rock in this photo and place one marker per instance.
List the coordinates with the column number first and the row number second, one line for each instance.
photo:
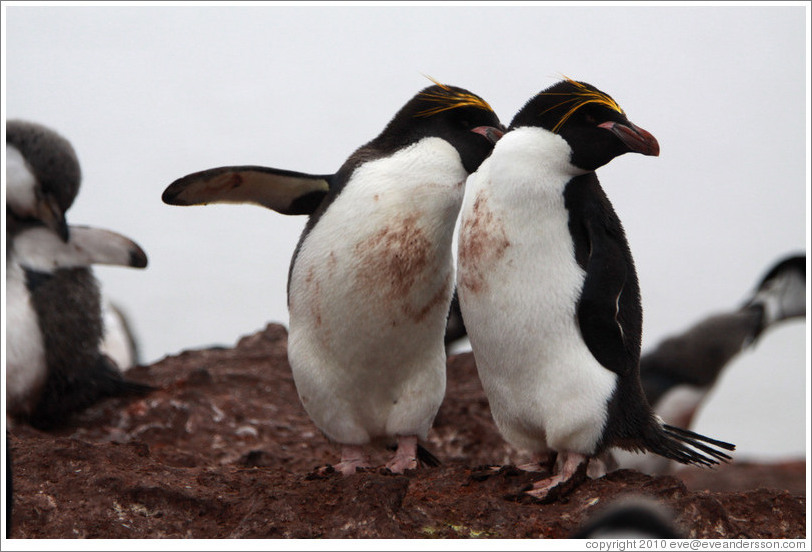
column 353, row 457
column 406, row 455
column 571, row 475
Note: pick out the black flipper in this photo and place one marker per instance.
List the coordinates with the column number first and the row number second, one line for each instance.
column 286, row 192
column 609, row 311
column 599, row 305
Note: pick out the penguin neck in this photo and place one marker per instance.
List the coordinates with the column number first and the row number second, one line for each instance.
column 533, row 167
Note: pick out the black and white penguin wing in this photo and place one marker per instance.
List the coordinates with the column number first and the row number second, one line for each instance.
column 609, row 314
column 287, row 192
column 39, row 248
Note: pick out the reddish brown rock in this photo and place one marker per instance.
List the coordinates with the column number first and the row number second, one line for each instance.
column 224, row 449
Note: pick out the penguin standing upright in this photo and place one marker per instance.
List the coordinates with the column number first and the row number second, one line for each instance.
column 549, row 293
column 689, row 363
column 54, row 366
column 371, row 277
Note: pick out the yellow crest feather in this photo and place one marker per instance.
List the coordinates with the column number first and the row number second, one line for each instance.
column 579, row 99
column 449, row 99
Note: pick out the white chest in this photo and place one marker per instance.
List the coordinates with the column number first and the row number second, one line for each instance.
column 25, row 351
column 381, row 254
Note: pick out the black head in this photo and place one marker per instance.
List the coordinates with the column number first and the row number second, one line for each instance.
column 53, row 162
column 591, row 122
column 454, row 114
column 794, row 263
column 632, row 517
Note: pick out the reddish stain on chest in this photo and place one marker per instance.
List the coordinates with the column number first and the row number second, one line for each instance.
column 315, row 303
column 483, row 242
column 399, row 264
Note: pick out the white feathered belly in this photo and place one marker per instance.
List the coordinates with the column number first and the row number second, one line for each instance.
column 25, row 352
column 518, row 294
column 369, row 297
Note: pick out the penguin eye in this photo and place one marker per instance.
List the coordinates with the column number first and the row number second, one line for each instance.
column 590, row 119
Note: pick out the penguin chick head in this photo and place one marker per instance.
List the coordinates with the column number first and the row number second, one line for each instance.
column 454, row 114
column 43, row 174
column 592, row 123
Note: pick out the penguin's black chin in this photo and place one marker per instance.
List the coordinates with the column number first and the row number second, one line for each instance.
column 635, row 138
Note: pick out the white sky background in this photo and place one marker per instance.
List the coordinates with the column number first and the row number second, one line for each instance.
column 149, row 94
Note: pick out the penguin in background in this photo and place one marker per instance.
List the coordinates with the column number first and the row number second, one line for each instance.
column 54, row 366
column 549, row 292
column 631, row 517
column 681, row 370
column 54, row 362
column 372, row 274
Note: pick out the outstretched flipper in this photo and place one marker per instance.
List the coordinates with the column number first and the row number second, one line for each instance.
column 286, row 192
column 40, row 248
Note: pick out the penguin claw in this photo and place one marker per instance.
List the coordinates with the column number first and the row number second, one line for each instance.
column 405, row 457
column 554, row 491
column 559, row 486
column 349, row 467
column 401, row 465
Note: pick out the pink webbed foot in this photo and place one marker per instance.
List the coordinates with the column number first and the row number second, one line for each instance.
column 352, row 458
column 572, row 473
column 406, row 455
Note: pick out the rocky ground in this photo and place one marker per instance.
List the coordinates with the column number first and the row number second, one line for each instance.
column 223, row 449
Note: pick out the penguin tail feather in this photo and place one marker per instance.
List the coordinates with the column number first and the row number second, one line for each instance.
column 109, row 382
column 688, row 447
column 425, row 457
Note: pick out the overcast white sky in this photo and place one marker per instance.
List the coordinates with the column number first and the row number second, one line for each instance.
column 149, row 94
